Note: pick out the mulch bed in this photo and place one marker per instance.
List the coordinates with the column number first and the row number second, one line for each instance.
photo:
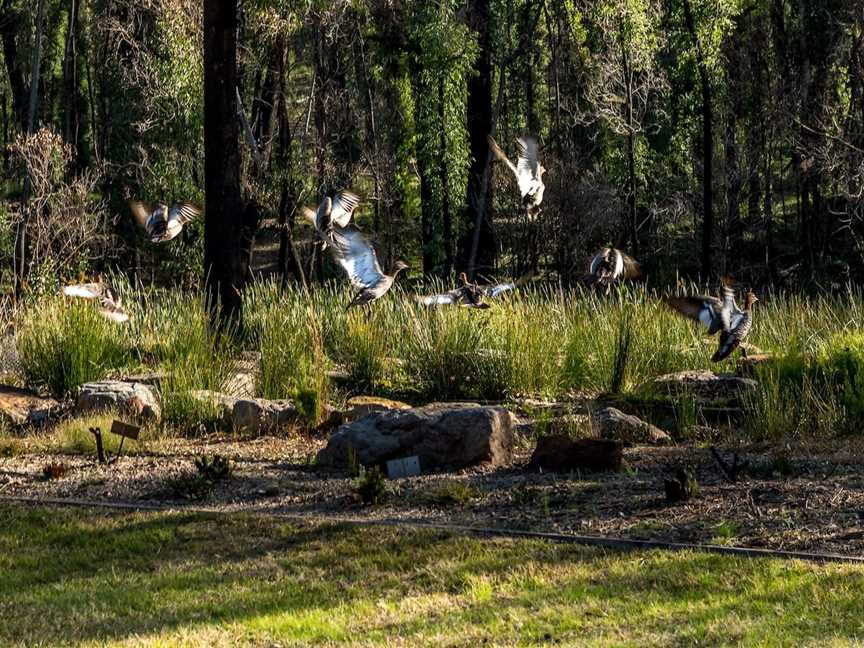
column 801, row 499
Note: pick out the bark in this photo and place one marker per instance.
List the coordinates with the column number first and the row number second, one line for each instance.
column 707, row 111
column 444, row 178
column 71, row 98
column 479, row 125
column 226, row 236
column 33, row 105
column 10, row 27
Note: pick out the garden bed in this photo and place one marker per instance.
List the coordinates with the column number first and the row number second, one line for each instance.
column 803, row 499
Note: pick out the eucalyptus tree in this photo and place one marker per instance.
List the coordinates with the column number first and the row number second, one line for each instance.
column 624, row 83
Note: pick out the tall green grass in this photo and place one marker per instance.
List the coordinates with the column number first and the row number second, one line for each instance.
column 63, row 344
column 544, row 342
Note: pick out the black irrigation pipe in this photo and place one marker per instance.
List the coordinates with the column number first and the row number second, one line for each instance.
column 618, row 544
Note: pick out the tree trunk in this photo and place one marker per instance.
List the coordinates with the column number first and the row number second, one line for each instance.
column 33, row 105
column 707, row 146
column 225, row 231
column 10, row 28
column 444, row 178
column 71, row 102
column 479, row 125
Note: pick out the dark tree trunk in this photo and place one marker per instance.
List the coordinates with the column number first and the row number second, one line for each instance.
column 11, row 26
column 707, row 146
column 226, row 232
column 479, row 124
column 444, row 178
column 71, row 96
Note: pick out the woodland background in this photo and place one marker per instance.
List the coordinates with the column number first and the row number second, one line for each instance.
column 702, row 136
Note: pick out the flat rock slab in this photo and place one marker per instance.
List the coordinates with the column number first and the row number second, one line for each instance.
column 703, row 385
column 611, row 423
column 360, row 406
column 132, row 399
column 22, row 406
column 561, row 453
column 442, row 435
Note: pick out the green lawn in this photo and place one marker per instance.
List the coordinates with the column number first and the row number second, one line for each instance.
column 93, row 578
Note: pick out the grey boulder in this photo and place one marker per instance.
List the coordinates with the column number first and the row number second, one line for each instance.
column 131, row 399
column 442, row 435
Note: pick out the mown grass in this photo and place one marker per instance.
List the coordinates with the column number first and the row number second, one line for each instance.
column 539, row 341
column 94, row 579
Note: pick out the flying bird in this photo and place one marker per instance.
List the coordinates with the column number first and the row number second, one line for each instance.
column 736, row 323
column 465, row 294
column 332, row 212
column 109, row 302
column 611, row 265
column 163, row 223
column 528, row 171
column 719, row 316
column 357, row 257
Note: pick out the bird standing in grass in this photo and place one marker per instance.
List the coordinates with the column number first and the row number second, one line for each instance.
column 110, row 305
column 528, row 171
column 163, row 223
column 332, row 212
column 465, row 294
column 357, row 257
column 611, row 265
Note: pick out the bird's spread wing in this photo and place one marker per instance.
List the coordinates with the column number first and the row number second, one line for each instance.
column 85, row 291
column 497, row 152
column 442, row 299
column 498, row 289
column 631, row 268
column 356, row 255
column 596, row 261
column 727, row 308
column 310, row 215
column 322, row 216
column 528, row 167
column 184, row 212
column 343, row 207
column 690, row 307
column 142, row 212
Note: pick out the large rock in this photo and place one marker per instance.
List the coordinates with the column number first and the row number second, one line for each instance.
column 562, row 453
column 132, row 399
column 702, row 384
column 611, row 423
column 261, row 415
column 442, row 435
column 22, row 407
column 222, row 403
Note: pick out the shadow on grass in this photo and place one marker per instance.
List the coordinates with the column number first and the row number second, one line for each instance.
column 70, row 576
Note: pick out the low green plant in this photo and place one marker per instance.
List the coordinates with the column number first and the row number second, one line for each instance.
column 451, row 492
column 371, row 486
column 200, row 484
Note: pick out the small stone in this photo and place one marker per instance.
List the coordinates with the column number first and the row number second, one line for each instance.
column 611, row 423
column 561, row 453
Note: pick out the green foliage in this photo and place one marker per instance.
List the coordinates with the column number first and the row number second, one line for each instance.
column 64, row 344
column 371, row 486
column 451, row 492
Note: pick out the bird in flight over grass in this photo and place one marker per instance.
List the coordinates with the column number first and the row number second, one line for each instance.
column 528, row 171
column 357, row 257
column 719, row 316
column 611, row 265
column 332, row 212
column 465, row 294
column 163, row 223
column 100, row 291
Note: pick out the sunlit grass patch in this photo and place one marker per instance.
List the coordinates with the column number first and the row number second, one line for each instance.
column 190, row 579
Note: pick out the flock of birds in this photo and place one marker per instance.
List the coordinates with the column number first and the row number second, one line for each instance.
column 351, row 250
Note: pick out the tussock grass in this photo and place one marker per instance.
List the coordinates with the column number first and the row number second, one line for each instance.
column 63, row 344
column 73, row 436
column 540, row 341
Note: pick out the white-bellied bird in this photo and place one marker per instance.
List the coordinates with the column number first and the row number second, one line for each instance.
column 528, row 171
column 100, row 291
column 357, row 257
column 163, row 223
column 332, row 212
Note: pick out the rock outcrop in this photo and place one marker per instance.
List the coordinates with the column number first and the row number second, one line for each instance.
column 442, row 435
